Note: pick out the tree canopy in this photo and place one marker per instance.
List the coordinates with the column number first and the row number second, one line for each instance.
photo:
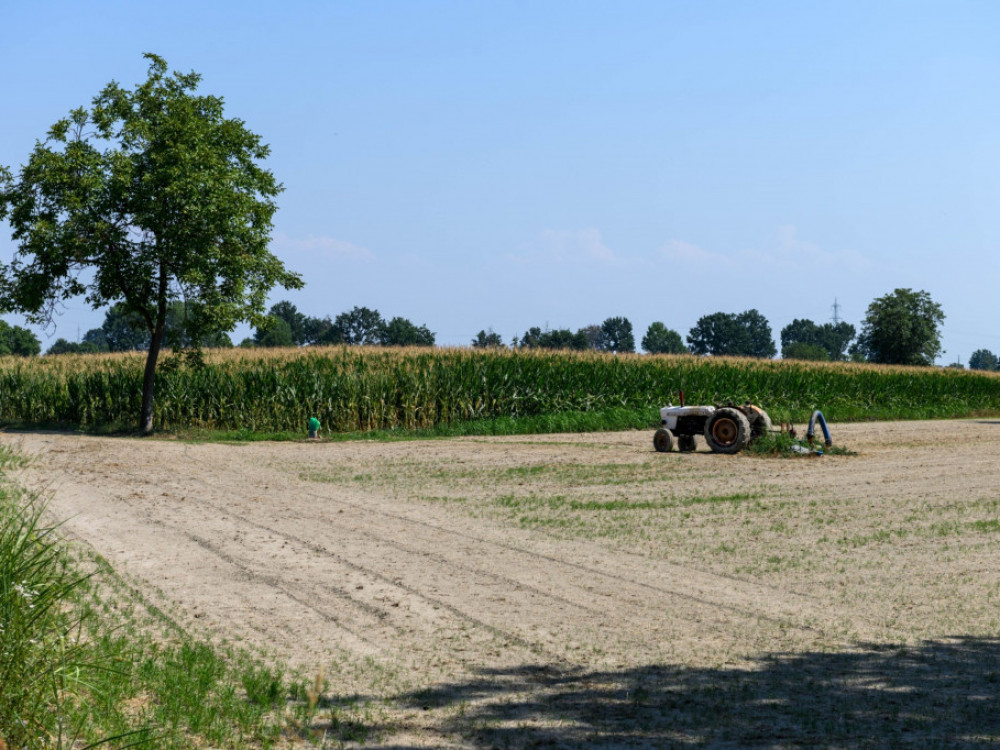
column 17, row 340
column 902, row 328
column 747, row 334
column 63, row 346
column 559, row 338
column 403, row 332
column 150, row 196
column 617, row 335
column 983, row 359
column 286, row 326
column 358, row 326
column 487, row 339
column 803, row 339
column 296, row 323
column 125, row 331
column 122, row 331
column 662, row 340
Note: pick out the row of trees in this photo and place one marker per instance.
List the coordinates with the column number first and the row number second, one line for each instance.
column 287, row 326
column 984, row 359
column 124, row 330
column 613, row 335
column 899, row 328
column 18, row 341
column 746, row 334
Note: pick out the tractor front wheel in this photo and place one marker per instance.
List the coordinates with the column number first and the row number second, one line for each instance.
column 663, row 441
column 686, row 443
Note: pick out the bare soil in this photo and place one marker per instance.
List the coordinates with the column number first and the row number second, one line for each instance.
column 577, row 590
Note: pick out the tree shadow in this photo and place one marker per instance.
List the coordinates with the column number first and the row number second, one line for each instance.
column 943, row 693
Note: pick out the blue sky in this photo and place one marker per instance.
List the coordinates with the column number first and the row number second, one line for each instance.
column 510, row 164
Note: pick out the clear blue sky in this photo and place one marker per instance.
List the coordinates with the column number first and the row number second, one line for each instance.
column 510, row 164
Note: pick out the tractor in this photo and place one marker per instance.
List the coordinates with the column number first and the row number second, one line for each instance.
column 727, row 428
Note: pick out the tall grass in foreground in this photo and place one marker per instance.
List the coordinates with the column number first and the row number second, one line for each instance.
column 82, row 667
column 36, row 651
column 354, row 389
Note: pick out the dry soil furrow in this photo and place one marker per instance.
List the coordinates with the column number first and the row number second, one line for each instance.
column 629, row 599
column 238, row 539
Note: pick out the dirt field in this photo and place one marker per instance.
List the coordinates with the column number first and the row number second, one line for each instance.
column 578, row 590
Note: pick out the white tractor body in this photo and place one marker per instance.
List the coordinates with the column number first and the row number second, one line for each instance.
column 670, row 414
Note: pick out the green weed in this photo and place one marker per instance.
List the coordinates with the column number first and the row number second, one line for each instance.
column 783, row 445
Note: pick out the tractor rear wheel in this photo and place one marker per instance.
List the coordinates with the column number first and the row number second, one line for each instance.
column 663, row 441
column 727, row 430
column 686, row 443
column 760, row 426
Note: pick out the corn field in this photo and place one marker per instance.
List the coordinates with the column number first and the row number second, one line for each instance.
column 360, row 389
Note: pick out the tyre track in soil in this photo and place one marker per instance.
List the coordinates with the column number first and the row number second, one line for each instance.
column 514, row 612
column 249, row 566
column 729, row 595
column 618, row 603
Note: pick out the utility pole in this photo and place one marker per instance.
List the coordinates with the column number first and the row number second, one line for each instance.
column 836, row 311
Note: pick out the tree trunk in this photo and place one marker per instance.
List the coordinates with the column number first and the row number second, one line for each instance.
column 156, row 340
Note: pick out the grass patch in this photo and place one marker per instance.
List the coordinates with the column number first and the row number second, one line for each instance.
column 938, row 529
column 85, row 660
column 562, row 502
column 604, row 420
column 733, row 498
column 783, row 445
column 40, row 655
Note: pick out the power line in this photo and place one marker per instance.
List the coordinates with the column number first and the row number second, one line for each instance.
column 836, row 312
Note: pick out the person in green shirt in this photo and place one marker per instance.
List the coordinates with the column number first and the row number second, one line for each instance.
column 313, row 428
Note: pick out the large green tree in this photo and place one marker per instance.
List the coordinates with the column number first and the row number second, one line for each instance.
column 286, row 326
column 125, row 331
column 617, row 335
column 18, row 340
column 662, row 340
column 902, row 328
column 62, row 346
column 359, row 326
column 803, row 339
column 983, row 359
column 296, row 324
column 487, row 339
column 404, row 332
column 747, row 334
column 151, row 195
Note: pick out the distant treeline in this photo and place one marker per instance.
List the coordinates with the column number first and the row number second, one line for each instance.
column 899, row 328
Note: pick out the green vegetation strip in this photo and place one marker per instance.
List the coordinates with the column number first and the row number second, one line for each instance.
column 352, row 390
column 81, row 666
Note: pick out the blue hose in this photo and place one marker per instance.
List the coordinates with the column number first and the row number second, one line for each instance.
column 812, row 427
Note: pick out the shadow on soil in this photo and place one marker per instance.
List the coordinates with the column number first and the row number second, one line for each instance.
column 942, row 694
